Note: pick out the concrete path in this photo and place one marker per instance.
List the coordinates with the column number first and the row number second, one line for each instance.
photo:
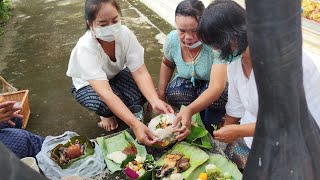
column 35, row 50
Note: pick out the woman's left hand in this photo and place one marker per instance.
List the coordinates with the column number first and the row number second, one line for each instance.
column 183, row 117
column 227, row 134
column 161, row 107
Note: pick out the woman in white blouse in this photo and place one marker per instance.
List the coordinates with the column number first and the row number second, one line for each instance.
column 223, row 26
column 108, row 71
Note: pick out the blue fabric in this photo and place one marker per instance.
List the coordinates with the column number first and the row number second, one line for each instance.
column 17, row 121
column 181, row 91
column 122, row 85
column 19, row 141
column 202, row 65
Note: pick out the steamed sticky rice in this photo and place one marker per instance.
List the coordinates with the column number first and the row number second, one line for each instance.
column 161, row 127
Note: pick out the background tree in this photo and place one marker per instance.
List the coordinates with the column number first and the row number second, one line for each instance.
column 286, row 143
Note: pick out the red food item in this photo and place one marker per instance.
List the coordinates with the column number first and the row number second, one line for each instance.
column 73, row 151
column 131, row 173
column 130, row 150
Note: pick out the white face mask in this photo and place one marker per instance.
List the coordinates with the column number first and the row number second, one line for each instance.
column 195, row 45
column 107, row 33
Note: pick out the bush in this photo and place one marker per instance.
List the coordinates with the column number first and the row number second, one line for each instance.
column 4, row 10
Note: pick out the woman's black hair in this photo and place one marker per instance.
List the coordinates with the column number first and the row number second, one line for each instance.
column 224, row 23
column 92, row 7
column 193, row 8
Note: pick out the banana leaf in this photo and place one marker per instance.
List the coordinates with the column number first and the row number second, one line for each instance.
column 118, row 143
column 89, row 150
column 199, row 136
column 197, row 157
column 147, row 175
column 222, row 163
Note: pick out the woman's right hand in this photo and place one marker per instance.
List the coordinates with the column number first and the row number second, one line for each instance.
column 9, row 111
column 143, row 134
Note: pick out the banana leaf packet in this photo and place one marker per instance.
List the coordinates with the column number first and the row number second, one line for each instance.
column 149, row 166
column 88, row 150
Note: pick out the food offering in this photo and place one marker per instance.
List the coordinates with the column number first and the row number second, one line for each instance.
column 76, row 148
column 162, row 127
column 217, row 167
column 311, row 9
column 174, row 164
column 179, row 162
column 118, row 148
column 119, row 156
column 214, row 173
column 138, row 167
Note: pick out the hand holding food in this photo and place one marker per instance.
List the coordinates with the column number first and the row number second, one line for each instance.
column 227, row 134
column 160, row 106
column 183, row 117
column 143, row 134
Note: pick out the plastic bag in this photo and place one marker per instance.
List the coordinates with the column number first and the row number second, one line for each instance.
column 87, row 167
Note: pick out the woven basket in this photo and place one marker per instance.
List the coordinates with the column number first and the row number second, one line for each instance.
column 11, row 93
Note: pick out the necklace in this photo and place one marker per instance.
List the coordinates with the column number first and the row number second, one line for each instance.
column 193, row 57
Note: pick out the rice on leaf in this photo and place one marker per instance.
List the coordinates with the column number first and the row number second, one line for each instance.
column 118, row 143
column 223, row 164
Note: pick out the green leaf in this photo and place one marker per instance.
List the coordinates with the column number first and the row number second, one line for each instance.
column 197, row 157
column 89, row 150
column 118, row 143
column 222, row 163
column 127, row 160
column 199, row 136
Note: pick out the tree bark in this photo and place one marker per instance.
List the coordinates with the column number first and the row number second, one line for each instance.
column 286, row 142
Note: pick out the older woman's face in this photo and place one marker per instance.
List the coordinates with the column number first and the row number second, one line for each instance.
column 187, row 29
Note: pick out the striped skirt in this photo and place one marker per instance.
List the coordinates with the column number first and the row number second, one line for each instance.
column 181, row 91
column 123, row 85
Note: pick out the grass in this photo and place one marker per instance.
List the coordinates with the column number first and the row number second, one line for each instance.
column 4, row 13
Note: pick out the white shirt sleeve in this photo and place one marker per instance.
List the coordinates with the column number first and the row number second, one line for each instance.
column 234, row 106
column 86, row 63
column 135, row 53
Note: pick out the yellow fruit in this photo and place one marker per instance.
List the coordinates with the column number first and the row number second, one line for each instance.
column 203, row 176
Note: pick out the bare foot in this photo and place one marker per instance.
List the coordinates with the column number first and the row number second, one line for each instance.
column 108, row 124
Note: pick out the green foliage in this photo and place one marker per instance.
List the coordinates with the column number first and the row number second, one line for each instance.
column 4, row 10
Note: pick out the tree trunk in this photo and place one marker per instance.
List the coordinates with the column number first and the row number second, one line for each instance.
column 287, row 139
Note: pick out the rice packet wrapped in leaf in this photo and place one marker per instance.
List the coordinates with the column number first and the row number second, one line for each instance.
column 199, row 136
column 78, row 147
column 223, row 166
column 196, row 156
column 119, row 143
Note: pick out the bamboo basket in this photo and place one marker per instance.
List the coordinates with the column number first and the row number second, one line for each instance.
column 10, row 93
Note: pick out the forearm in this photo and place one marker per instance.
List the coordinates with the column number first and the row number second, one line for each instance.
column 218, row 78
column 165, row 76
column 104, row 90
column 246, row 130
column 205, row 99
column 119, row 109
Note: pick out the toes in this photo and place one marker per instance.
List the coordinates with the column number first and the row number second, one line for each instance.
column 114, row 126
